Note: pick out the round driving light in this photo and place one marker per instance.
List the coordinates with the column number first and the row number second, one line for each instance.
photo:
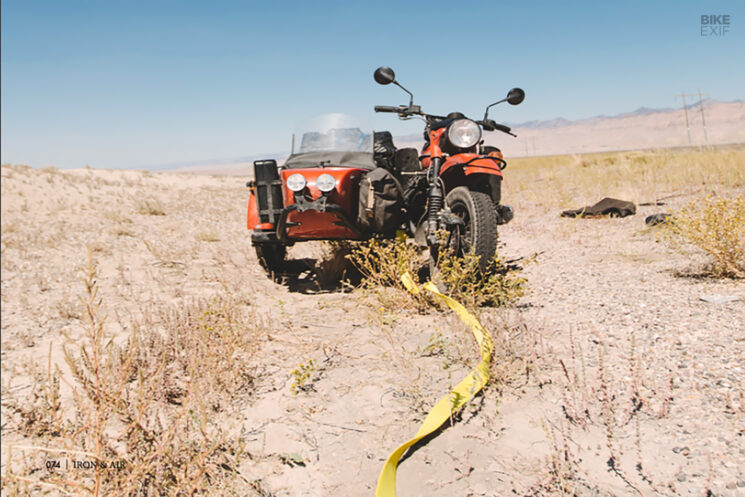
column 464, row 133
column 325, row 182
column 295, row 182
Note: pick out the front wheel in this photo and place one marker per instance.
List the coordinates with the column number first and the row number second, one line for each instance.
column 478, row 232
column 271, row 256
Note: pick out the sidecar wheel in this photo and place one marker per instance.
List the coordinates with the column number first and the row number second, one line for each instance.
column 478, row 234
column 271, row 256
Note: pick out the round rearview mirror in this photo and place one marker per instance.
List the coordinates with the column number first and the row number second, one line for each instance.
column 515, row 96
column 384, row 75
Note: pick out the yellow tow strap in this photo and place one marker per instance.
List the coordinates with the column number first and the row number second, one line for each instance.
column 462, row 393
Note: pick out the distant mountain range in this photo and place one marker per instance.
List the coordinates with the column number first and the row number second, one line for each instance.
column 643, row 128
column 641, row 111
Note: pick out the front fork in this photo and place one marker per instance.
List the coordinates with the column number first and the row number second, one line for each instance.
column 435, row 195
column 435, row 201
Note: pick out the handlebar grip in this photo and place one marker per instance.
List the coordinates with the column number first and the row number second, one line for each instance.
column 386, row 108
column 502, row 127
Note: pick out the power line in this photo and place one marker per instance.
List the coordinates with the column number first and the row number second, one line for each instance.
column 683, row 96
column 685, row 110
column 703, row 121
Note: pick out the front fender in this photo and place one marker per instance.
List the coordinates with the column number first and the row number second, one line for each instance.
column 471, row 164
column 479, row 174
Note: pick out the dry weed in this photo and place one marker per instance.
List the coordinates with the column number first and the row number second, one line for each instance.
column 121, row 231
column 613, row 402
column 382, row 263
column 639, row 176
column 142, row 419
column 715, row 225
column 150, row 207
column 39, row 414
column 208, row 236
column 518, row 355
column 211, row 340
column 563, row 477
column 116, row 216
column 303, row 377
column 497, row 286
column 164, row 253
column 334, row 265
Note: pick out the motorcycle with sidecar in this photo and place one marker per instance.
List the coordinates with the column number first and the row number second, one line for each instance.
column 345, row 183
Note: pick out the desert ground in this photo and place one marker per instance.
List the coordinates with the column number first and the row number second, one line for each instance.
column 610, row 376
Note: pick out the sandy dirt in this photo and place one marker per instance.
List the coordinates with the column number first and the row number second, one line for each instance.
column 617, row 373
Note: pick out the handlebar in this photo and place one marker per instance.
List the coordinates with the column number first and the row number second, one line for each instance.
column 490, row 125
column 402, row 110
column 388, row 108
column 503, row 128
column 411, row 110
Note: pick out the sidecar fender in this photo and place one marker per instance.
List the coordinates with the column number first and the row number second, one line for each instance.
column 252, row 217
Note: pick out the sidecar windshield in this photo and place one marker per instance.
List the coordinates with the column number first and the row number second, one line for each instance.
column 332, row 140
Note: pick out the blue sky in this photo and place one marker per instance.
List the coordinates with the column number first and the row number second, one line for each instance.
column 141, row 84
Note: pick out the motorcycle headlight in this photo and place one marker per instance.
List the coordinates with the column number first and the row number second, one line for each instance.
column 464, row 133
column 296, row 182
column 325, row 182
